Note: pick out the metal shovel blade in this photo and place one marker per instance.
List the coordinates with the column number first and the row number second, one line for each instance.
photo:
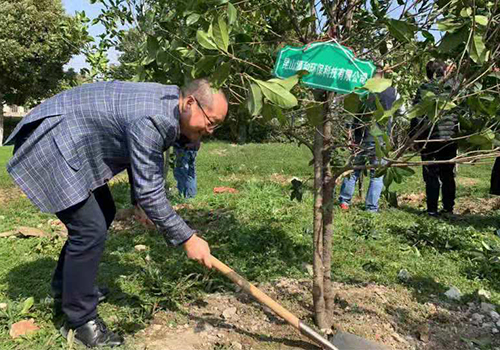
column 348, row 341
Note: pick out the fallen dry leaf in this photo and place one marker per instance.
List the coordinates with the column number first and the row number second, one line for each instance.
column 23, row 328
column 8, row 233
column 225, row 190
column 32, row 232
column 423, row 333
column 26, row 232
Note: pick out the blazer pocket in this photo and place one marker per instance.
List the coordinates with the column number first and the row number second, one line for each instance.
column 67, row 147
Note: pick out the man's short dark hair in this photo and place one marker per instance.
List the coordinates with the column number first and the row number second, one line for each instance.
column 435, row 69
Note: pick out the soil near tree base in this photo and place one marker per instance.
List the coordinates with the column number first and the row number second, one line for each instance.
column 391, row 316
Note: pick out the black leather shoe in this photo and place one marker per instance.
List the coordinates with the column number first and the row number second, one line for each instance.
column 102, row 294
column 446, row 212
column 93, row 334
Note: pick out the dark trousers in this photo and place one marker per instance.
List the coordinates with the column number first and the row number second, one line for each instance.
column 439, row 176
column 495, row 178
column 76, row 271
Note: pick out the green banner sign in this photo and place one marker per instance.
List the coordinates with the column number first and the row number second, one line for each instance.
column 331, row 67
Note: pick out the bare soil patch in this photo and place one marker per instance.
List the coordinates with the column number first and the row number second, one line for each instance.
column 10, row 194
column 477, row 205
column 392, row 316
column 412, row 199
column 281, row 179
column 467, row 181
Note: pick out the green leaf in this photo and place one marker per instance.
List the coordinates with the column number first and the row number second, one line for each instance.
column 277, row 94
column 401, row 172
column 221, row 36
column 205, row 40
column 398, row 175
column 482, row 20
column 428, row 35
column 480, row 140
column 451, row 41
column 379, row 113
column 232, row 14
column 494, row 75
column 352, row 103
column 192, row 18
column 153, row 46
column 287, row 83
column 162, row 58
column 221, row 74
column 314, row 113
column 206, row 64
column 388, row 178
column 449, row 25
column 445, row 104
column 466, row 12
column 375, row 131
column 376, row 85
column 218, row 2
column 270, row 112
column 28, row 303
column 405, row 171
column 478, row 51
column 254, row 101
column 378, row 150
column 401, row 30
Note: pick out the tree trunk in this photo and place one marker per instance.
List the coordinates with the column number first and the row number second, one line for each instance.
column 318, row 290
column 328, row 202
column 1, row 119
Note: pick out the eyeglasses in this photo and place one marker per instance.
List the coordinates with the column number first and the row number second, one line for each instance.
column 211, row 124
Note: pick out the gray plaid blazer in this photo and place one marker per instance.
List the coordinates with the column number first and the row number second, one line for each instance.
column 87, row 135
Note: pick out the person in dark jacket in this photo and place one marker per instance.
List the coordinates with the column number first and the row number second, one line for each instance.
column 438, row 145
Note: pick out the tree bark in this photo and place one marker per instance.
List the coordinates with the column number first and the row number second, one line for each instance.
column 318, row 291
column 328, row 202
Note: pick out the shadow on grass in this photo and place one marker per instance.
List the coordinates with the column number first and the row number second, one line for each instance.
column 479, row 222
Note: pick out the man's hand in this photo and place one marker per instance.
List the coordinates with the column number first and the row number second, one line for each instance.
column 197, row 249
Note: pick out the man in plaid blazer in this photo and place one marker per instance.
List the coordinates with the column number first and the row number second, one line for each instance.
column 70, row 146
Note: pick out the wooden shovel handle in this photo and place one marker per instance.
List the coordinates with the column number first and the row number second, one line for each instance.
column 256, row 293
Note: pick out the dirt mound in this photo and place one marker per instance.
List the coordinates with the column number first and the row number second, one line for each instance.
column 477, row 205
column 413, row 199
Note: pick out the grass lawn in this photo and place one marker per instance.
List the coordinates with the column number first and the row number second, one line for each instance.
column 261, row 234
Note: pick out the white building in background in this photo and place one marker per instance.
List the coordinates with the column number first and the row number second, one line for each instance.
column 12, row 111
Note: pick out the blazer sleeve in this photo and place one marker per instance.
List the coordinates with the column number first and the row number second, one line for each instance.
column 146, row 145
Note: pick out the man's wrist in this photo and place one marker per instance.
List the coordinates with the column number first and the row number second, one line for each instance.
column 185, row 241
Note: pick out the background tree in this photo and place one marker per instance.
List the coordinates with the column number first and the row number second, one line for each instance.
column 37, row 39
column 235, row 44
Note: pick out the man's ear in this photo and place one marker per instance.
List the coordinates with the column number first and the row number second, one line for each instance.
column 190, row 101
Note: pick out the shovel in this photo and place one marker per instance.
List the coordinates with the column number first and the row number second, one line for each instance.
column 339, row 341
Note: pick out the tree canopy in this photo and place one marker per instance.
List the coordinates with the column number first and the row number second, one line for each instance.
column 37, row 39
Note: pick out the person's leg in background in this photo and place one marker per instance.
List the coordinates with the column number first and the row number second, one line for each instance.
column 185, row 171
column 447, row 177
column 374, row 189
column 431, row 179
column 495, row 178
column 347, row 189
